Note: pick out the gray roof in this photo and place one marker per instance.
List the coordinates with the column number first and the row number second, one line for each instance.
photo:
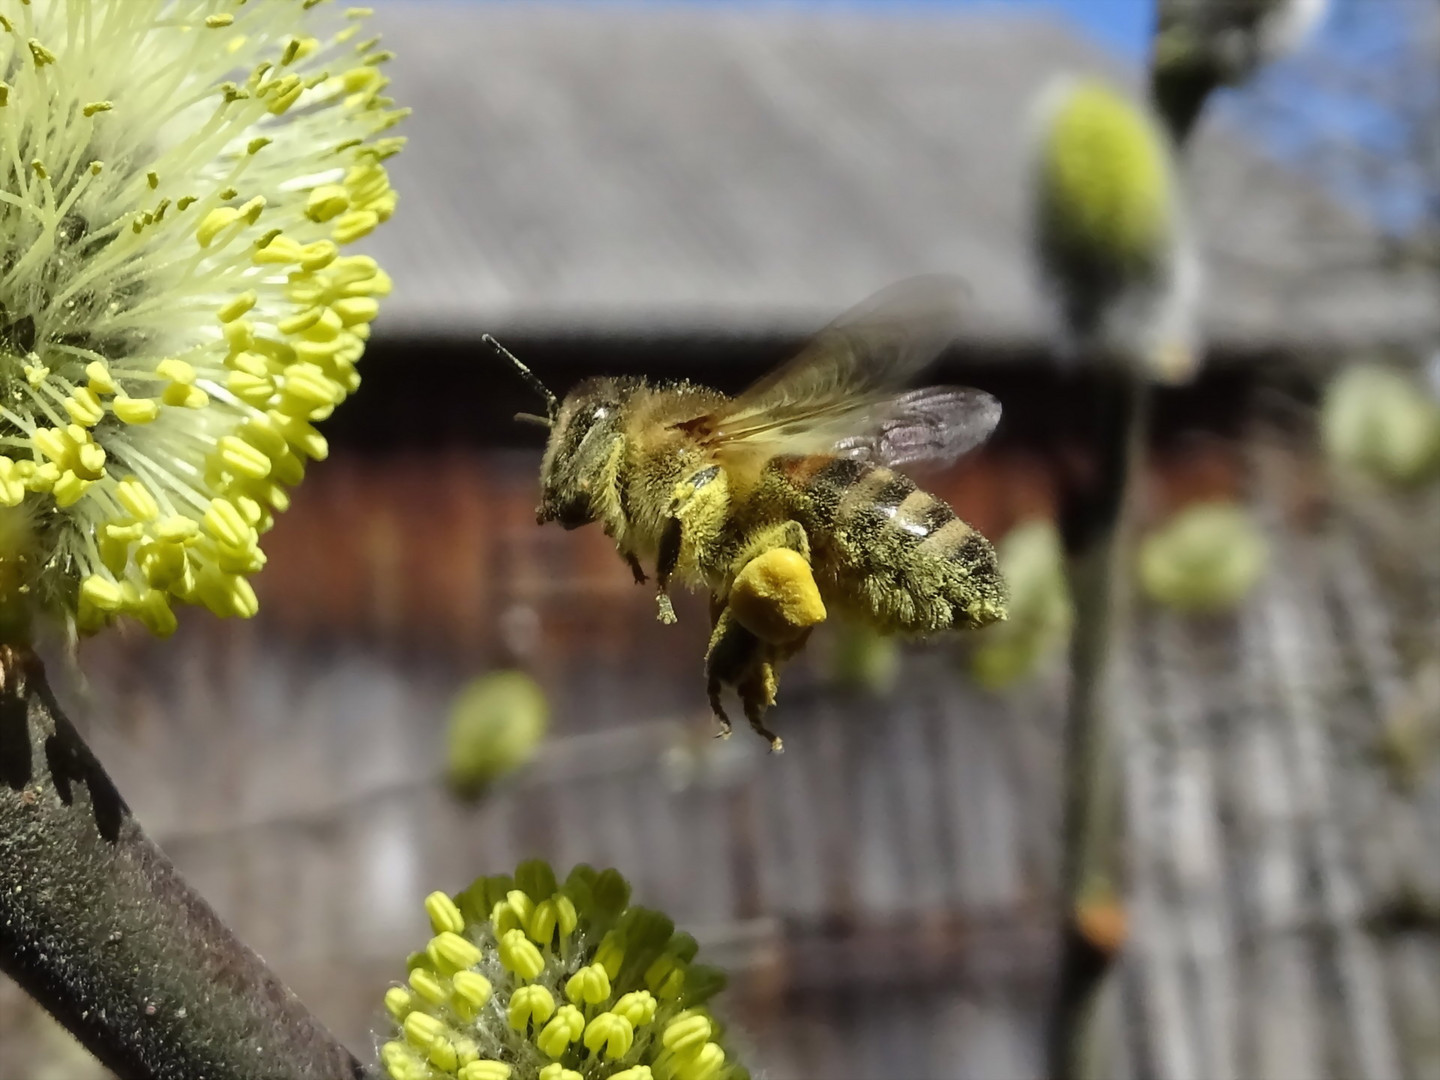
column 629, row 168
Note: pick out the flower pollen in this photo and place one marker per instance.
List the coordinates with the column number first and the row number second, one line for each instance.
column 564, row 982
column 176, row 313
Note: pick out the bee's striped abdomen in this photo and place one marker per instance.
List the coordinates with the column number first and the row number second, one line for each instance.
column 895, row 551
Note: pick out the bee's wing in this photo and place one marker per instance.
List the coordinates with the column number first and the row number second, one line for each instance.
column 936, row 424
column 842, row 393
column 869, row 352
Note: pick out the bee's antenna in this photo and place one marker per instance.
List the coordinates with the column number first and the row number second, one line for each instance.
column 552, row 403
column 532, row 418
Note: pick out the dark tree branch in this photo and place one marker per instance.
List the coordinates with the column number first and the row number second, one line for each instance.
column 97, row 925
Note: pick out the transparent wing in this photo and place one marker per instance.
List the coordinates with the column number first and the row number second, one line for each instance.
column 843, row 393
column 936, row 424
column 855, row 364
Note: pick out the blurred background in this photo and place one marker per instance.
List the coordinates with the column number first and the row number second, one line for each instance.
column 689, row 190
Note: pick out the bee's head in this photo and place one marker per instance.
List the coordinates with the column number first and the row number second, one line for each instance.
column 578, row 458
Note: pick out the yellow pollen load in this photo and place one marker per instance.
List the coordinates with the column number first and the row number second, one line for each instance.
column 775, row 596
column 221, row 242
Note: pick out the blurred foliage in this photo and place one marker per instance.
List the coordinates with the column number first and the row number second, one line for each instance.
column 1207, row 557
column 1105, row 184
column 862, row 658
column 496, row 724
column 1109, row 231
column 1383, row 424
column 1033, row 562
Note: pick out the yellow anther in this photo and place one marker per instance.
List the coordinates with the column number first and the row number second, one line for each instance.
column 181, row 396
column 589, row 986
column 451, row 952
column 135, row 410
column 469, row 992
column 300, row 321
column 609, row 1034
column 327, row 327
column 541, row 926
column 398, row 1002
column 556, row 1071
column 102, row 593
column 84, row 407
column 175, row 370
column 705, row 1065
column 177, row 529
column 444, row 915
column 99, row 375
column 93, row 107
column 638, row 1007
column 225, row 523
column 687, row 1033
column 287, row 92
column 250, row 209
column 443, row 1056
column 254, row 390
column 215, row 22
column 135, row 497
column 564, row 1028
column 611, row 954
column 354, row 224
column 565, row 914
column 306, row 388
column 356, row 309
column 215, row 222
column 399, row 1061
column 520, row 956
column 89, row 461
column 238, row 306
column 327, row 201
column 639, row 1072
column 428, row 986
column 320, row 353
column 486, row 1070
column 35, row 374
column 242, row 458
column 530, row 1005
column 318, row 255
column 254, row 146
column 281, row 249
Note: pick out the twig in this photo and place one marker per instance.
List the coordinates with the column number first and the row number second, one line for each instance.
column 1093, row 523
column 97, row 925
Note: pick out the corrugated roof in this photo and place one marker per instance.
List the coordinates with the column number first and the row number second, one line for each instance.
column 632, row 168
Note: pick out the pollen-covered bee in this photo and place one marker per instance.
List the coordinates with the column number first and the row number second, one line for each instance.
column 784, row 501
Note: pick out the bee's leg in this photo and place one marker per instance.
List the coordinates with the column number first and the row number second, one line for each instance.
column 665, row 564
column 786, row 534
column 738, row 658
column 732, row 653
column 757, row 694
column 635, row 567
column 712, row 688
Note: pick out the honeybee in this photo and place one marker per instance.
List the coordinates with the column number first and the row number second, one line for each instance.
column 784, row 501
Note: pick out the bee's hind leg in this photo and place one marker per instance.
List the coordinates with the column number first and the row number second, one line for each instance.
column 757, row 694
column 738, row 658
column 635, row 568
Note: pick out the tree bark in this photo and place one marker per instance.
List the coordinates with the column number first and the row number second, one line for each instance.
column 97, row 925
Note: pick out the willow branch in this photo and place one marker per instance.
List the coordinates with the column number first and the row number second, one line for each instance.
column 1094, row 522
column 97, row 925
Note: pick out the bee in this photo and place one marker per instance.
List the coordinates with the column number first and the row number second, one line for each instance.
column 785, row 501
